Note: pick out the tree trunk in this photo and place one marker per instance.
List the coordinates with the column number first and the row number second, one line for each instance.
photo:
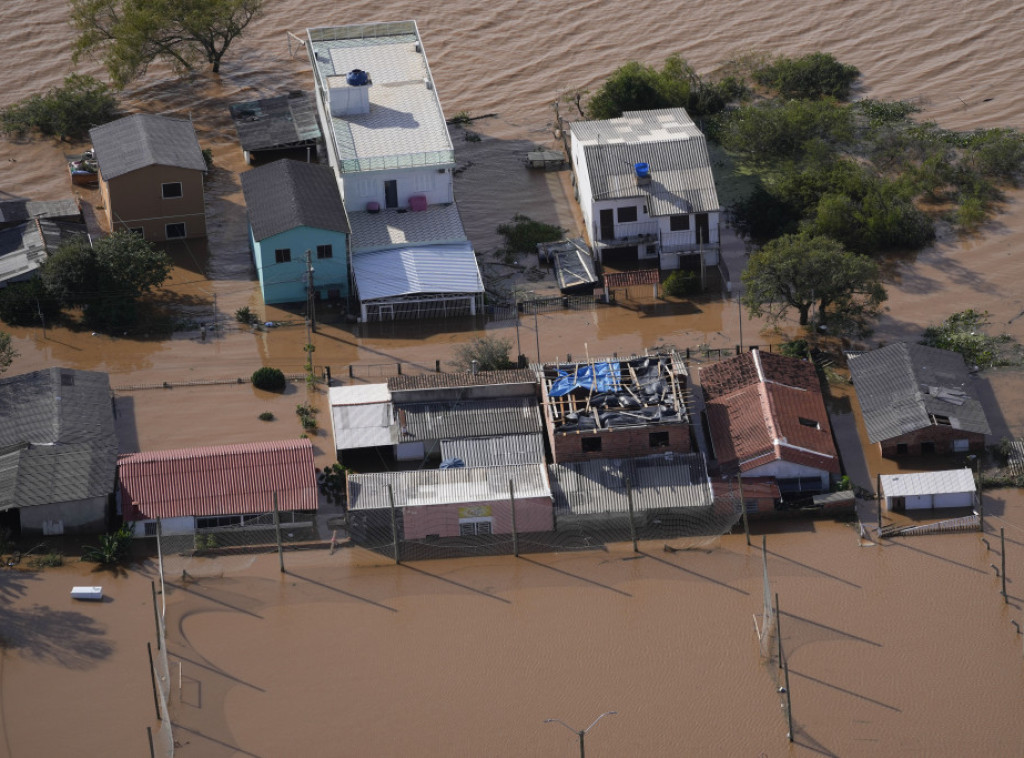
column 805, row 311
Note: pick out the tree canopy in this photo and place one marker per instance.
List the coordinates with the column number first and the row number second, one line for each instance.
column 800, row 271
column 105, row 280
column 489, row 354
column 69, row 111
column 131, row 34
column 810, row 77
column 7, row 352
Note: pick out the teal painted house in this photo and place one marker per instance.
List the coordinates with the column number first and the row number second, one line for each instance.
column 295, row 207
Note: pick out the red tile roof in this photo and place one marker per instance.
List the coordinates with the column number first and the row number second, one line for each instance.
column 757, row 422
column 615, row 280
column 218, row 481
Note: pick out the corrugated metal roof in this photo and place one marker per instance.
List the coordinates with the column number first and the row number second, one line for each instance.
column 446, row 486
column 466, row 418
column 461, row 379
column 439, row 224
column 363, row 425
column 26, row 246
column 145, row 139
column 287, row 194
column 657, row 482
column 13, row 211
column 928, row 483
column 359, row 394
column 276, row 122
column 902, row 386
column 431, row 269
column 506, row 450
column 218, row 481
column 681, row 179
column 57, row 438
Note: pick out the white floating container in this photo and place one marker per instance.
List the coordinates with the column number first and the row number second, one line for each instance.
column 87, row 593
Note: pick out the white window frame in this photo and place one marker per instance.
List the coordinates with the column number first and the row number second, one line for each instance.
column 167, row 231
column 165, row 196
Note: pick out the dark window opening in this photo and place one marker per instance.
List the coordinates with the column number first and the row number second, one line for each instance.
column 591, row 444
column 473, row 528
column 901, row 448
column 679, row 222
column 67, row 380
column 659, row 439
column 150, row 527
column 927, row 448
column 941, row 420
column 627, row 214
column 210, row 522
column 324, row 251
column 171, row 190
column 284, row 255
column 809, row 422
column 175, row 231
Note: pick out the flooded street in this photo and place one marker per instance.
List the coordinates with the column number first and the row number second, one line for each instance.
column 904, row 648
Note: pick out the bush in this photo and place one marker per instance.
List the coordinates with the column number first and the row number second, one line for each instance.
column 244, row 315
column 266, row 416
column 307, row 415
column 22, row 302
column 682, row 284
column 794, row 349
column 64, row 112
column 113, row 548
column 962, row 333
column 269, row 379
column 489, row 354
column 523, row 234
column 812, row 76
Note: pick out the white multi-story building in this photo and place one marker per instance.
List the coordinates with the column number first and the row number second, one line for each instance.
column 387, row 140
column 646, row 189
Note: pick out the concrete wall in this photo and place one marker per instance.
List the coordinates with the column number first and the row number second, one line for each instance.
column 286, row 282
column 620, row 442
column 787, row 470
column 532, row 515
column 76, row 517
column 926, row 502
column 135, row 200
column 168, row 526
column 942, row 436
column 435, row 184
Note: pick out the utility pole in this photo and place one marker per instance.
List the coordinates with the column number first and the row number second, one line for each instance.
column 42, row 318
column 310, row 295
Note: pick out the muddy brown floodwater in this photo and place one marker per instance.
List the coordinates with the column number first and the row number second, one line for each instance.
column 903, row 649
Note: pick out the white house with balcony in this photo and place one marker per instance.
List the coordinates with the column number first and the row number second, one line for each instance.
column 387, row 140
column 646, row 189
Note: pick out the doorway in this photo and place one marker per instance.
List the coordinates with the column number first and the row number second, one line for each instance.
column 608, row 224
column 702, row 229
column 391, row 193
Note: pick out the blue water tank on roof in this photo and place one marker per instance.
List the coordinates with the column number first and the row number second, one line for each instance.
column 642, row 169
column 357, row 77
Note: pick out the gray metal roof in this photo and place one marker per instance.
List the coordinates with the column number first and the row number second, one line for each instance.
column 277, row 122
column 13, row 211
column 287, row 194
column 668, row 141
column 446, row 486
column 57, row 439
column 145, row 139
column 430, row 269
column 26, row 246
column 657, row 482
column 466, row 418
column 389, row 228
column 948, row 482
column 506, row 450
column 903, row 386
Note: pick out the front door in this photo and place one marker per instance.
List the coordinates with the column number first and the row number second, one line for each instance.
column 391, row 193
column 703, row 230
column 608, row 224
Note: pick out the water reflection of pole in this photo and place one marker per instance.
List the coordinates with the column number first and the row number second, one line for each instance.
column 581, row 733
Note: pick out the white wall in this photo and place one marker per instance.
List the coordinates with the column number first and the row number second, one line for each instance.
column 362, row 188
column 787, row 470
column 168, row 526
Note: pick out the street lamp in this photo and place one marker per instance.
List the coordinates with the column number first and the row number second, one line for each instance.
column 581, row 733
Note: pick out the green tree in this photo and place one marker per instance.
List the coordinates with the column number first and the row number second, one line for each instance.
column 772, row 131
column 131, row 34
column 800, row 271
column 7, row 352
column 108, row 279
column 64, row 112
column 22, row 303
column 489, row 353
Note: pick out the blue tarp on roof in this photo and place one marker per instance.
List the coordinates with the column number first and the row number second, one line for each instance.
column 599, row 377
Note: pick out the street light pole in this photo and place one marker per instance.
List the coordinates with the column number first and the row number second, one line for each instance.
column 581, row 733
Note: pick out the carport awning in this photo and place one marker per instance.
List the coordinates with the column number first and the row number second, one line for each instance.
column 417, row 270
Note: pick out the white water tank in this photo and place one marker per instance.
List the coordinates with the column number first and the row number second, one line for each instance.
column 349, row 93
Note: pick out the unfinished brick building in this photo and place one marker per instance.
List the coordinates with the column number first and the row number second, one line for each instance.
column 616, row 408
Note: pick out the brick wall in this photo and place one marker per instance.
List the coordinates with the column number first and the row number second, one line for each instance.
column 942, row 436
column 622, row 442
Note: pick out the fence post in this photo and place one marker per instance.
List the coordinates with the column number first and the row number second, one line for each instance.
column 437, row 365
column 277, row 529
column 778, row 628
column 399, row 368
column 1002, row 549
column 789, row 704
column 327, row 372
column 394, row 522
column 515, row 533
column 632, row 526
column 149, row 734
column 743, row 507
column 156, row 615
column 350, row 374
column 152, row 677
column 878, row 501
